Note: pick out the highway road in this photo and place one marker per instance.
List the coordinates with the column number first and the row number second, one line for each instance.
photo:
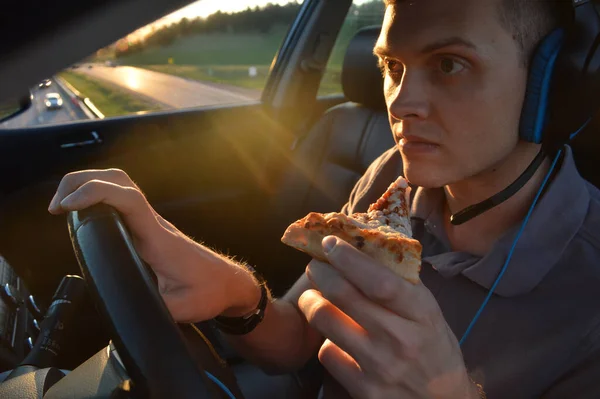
column 168, row 90
column 37, row 114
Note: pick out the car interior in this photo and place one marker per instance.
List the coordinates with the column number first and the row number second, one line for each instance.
column 232, row 177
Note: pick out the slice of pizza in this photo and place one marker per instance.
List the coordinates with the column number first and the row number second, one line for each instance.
column 384, row 232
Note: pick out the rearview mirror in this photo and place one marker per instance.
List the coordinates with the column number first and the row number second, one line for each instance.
column 13, row 107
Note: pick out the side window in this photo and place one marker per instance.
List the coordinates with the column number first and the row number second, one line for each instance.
column 362, row 13
column 207, row 53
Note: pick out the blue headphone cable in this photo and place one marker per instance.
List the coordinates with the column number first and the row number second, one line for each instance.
column 516, row 240
column 220, row 384
column 512, row 250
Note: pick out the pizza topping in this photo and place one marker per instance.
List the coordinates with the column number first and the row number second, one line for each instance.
column 392, row 208
column 360, row 241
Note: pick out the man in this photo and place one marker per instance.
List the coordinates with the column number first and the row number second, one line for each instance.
column 455, row 76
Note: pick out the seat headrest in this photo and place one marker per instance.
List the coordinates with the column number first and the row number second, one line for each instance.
column 361, row 78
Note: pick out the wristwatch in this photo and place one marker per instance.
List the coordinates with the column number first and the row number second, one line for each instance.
column 244, row 324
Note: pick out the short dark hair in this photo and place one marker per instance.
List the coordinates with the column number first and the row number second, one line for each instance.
column 528, row 20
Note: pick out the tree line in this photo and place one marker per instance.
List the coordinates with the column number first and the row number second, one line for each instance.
column 261, row 20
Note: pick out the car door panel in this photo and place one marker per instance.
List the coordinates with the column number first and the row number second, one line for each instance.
column 204, row 170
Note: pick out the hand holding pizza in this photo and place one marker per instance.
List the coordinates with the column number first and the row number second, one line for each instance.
column 195, row 283
column 386, row 337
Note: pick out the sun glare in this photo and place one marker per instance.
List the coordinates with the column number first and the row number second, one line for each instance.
column 204, row 8
column 132, row 79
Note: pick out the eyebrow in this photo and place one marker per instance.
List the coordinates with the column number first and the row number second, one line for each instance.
column 451, row 41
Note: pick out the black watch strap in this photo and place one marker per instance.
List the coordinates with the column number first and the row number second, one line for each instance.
column 245, row 324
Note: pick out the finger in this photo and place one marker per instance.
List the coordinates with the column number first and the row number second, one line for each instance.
column 73, row 181
column 336, row 326
column 344, row 369
column 379, row 322
column 379, row 283
column 130, row 203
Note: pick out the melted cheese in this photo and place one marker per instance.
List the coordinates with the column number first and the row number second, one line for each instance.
column 392, row 208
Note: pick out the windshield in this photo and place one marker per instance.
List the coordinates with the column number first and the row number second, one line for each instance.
column 209, row 53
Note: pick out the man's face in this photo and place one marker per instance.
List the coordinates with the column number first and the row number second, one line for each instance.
column 454, row 87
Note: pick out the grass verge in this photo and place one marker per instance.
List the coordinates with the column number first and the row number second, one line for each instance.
column 238, row 75
column 110, row 100
column 235, row 75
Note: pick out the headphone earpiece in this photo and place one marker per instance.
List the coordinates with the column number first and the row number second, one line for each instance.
column 537, row 93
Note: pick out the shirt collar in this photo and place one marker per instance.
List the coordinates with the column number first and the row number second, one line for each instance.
column 554, row 222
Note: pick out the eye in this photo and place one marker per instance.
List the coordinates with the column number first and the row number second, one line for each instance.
column 393, row 66
column 450, row 66
column 390, row 66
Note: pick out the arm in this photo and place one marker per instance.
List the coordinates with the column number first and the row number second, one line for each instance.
column 386, row 337
column 283, row 341
column 195, row 282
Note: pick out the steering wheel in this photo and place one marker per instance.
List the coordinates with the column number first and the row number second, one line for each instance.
column 150, row 344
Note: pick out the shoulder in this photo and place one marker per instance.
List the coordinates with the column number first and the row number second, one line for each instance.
column 579, row 263
column 590, row 229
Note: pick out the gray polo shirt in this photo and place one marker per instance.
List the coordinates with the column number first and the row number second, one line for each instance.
column 539, row 335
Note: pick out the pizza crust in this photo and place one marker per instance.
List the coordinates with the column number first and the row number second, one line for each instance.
column 391, row 248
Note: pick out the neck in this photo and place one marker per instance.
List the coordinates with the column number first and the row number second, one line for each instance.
column 479, row 234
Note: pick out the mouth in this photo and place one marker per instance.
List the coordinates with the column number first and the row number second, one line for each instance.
column 411, row 145
column 406, row 139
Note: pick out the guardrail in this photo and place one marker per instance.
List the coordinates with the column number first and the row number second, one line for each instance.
column 86, row 105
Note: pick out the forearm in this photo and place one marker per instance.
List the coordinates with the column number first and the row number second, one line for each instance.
column 283, row 341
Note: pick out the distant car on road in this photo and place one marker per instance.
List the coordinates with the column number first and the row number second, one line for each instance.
column 45, row 84
column 53, row 101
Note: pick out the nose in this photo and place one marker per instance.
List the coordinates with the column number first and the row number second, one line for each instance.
column 408, row 100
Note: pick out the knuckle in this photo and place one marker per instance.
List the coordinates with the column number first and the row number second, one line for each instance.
column 71, row 175
column 412, row 349
column 373, row 361
column 318, row 314
column 66, row 180
column 430, row 312
column 386, row 373
column 89, row 187
column 310, row 267
column 118, row 173
column 385, row 291
column 94, row 183
column 394, row 334
column 135, row 194
column 340, row 291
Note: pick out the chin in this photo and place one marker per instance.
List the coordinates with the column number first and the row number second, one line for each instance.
column 425, row 176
